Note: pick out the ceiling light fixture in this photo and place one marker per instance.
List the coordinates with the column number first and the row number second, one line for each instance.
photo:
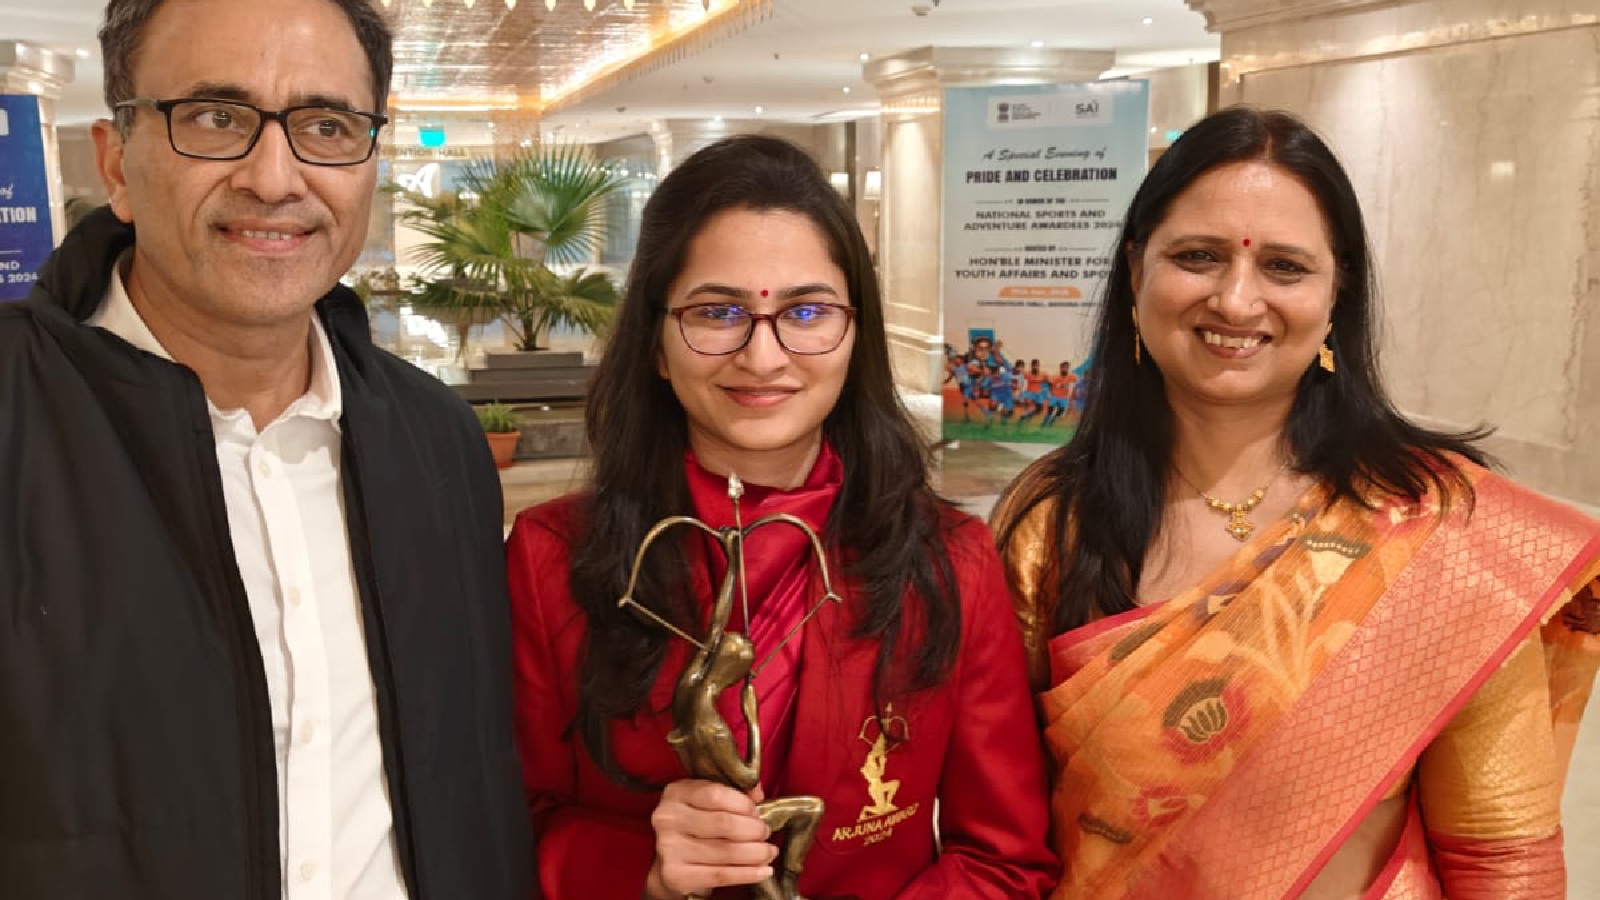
column 627, row 4
column 469, row 3
column 760, row 110
column 847, row 89
column 82, row 53
column 1038, row 44
column 589, row 5
column 1147, row 20
column 865, row 57
column 550, row 4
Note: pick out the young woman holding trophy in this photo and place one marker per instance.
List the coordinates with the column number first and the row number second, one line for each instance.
column 815, row 687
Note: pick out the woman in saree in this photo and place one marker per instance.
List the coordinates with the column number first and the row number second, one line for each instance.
column 1287, row 643
column 751, row 342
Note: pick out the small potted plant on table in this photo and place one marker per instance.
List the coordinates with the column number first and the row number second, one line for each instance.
column 503, row 428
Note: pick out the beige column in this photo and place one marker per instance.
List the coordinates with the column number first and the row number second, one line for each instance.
column 1472, row 131
column 911, row 88
column 31, row 69
column 677, row 139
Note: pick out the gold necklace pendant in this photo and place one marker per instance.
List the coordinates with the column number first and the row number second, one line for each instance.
column 1239, row 524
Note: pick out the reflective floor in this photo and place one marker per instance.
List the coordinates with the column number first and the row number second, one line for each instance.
column 974, row 474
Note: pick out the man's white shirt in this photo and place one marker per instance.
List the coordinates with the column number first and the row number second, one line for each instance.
column 286, row 515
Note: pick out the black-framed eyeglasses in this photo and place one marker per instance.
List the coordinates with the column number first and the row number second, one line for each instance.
column 227, row 129
column 807, row 329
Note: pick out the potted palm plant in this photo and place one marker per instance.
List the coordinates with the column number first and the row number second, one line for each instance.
column 492, row 245
column 503, row 427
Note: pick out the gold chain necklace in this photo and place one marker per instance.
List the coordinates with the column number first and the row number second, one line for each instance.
column 1239, row 524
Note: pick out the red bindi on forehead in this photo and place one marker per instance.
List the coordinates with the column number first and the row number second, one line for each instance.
column 1247, row 242
column 765, row 292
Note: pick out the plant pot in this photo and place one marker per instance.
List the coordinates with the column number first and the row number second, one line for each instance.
column 503, row 444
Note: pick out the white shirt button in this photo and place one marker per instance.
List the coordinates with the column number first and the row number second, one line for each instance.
column 306, row 733
column 308, row 871
column 293, row 596
column 265, row 468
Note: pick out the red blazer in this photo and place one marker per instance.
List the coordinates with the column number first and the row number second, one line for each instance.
column 973, row 747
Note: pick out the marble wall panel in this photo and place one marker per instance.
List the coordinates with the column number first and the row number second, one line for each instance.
column 1478, row 165
column 1298, row 35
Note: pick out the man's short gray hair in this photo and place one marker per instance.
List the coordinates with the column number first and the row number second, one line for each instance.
column 123, row 30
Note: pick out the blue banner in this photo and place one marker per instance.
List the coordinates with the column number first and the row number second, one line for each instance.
column 1036, row 182
column 26, row 235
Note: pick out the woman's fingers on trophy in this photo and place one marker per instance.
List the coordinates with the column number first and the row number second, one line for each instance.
column 684, row 880
column 708, row 836
column 674, row 877
column 708, row 811
column 734, row 828
column 709, row 796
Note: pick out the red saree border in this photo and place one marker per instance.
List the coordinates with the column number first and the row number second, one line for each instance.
column 1089, row 632
column 1254, row 838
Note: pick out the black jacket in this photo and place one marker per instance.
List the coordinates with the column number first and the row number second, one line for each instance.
column 136, row 753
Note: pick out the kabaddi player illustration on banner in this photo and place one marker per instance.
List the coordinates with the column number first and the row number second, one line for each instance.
column 989, row 396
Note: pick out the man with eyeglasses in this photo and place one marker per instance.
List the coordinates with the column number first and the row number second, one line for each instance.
column 253, row 618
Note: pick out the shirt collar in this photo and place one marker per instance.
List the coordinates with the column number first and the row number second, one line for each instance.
column 323, row 400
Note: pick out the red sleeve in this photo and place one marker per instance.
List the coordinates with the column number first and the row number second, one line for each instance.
column 993, row 805
column 1527, row 869
column 581, row 852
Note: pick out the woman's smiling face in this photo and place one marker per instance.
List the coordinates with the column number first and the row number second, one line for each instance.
column 1235, row 288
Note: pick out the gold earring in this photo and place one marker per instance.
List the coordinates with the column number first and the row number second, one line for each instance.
column 1136, row 356
column 1325, row 358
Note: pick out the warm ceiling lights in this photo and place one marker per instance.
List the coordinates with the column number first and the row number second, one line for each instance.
column 511, row 4
column 550, row 4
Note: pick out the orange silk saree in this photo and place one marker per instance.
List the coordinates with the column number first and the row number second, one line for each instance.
column 1226, row 743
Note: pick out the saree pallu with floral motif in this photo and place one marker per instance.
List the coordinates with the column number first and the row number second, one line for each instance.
column 1225, row 744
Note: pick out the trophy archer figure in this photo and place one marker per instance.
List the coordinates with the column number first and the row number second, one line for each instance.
column 702, row 738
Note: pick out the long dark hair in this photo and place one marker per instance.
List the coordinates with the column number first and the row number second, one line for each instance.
column 886, row 525
column 1342, row 428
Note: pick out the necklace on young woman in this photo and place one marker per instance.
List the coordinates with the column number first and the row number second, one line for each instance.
column 1239, row 524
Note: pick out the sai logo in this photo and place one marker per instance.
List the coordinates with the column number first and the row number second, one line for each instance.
column 5, row 123
column 1088, row 110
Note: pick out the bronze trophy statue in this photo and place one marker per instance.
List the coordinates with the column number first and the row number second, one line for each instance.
column 702, row 738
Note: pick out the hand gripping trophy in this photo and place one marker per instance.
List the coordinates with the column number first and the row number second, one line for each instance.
column 702, row 738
